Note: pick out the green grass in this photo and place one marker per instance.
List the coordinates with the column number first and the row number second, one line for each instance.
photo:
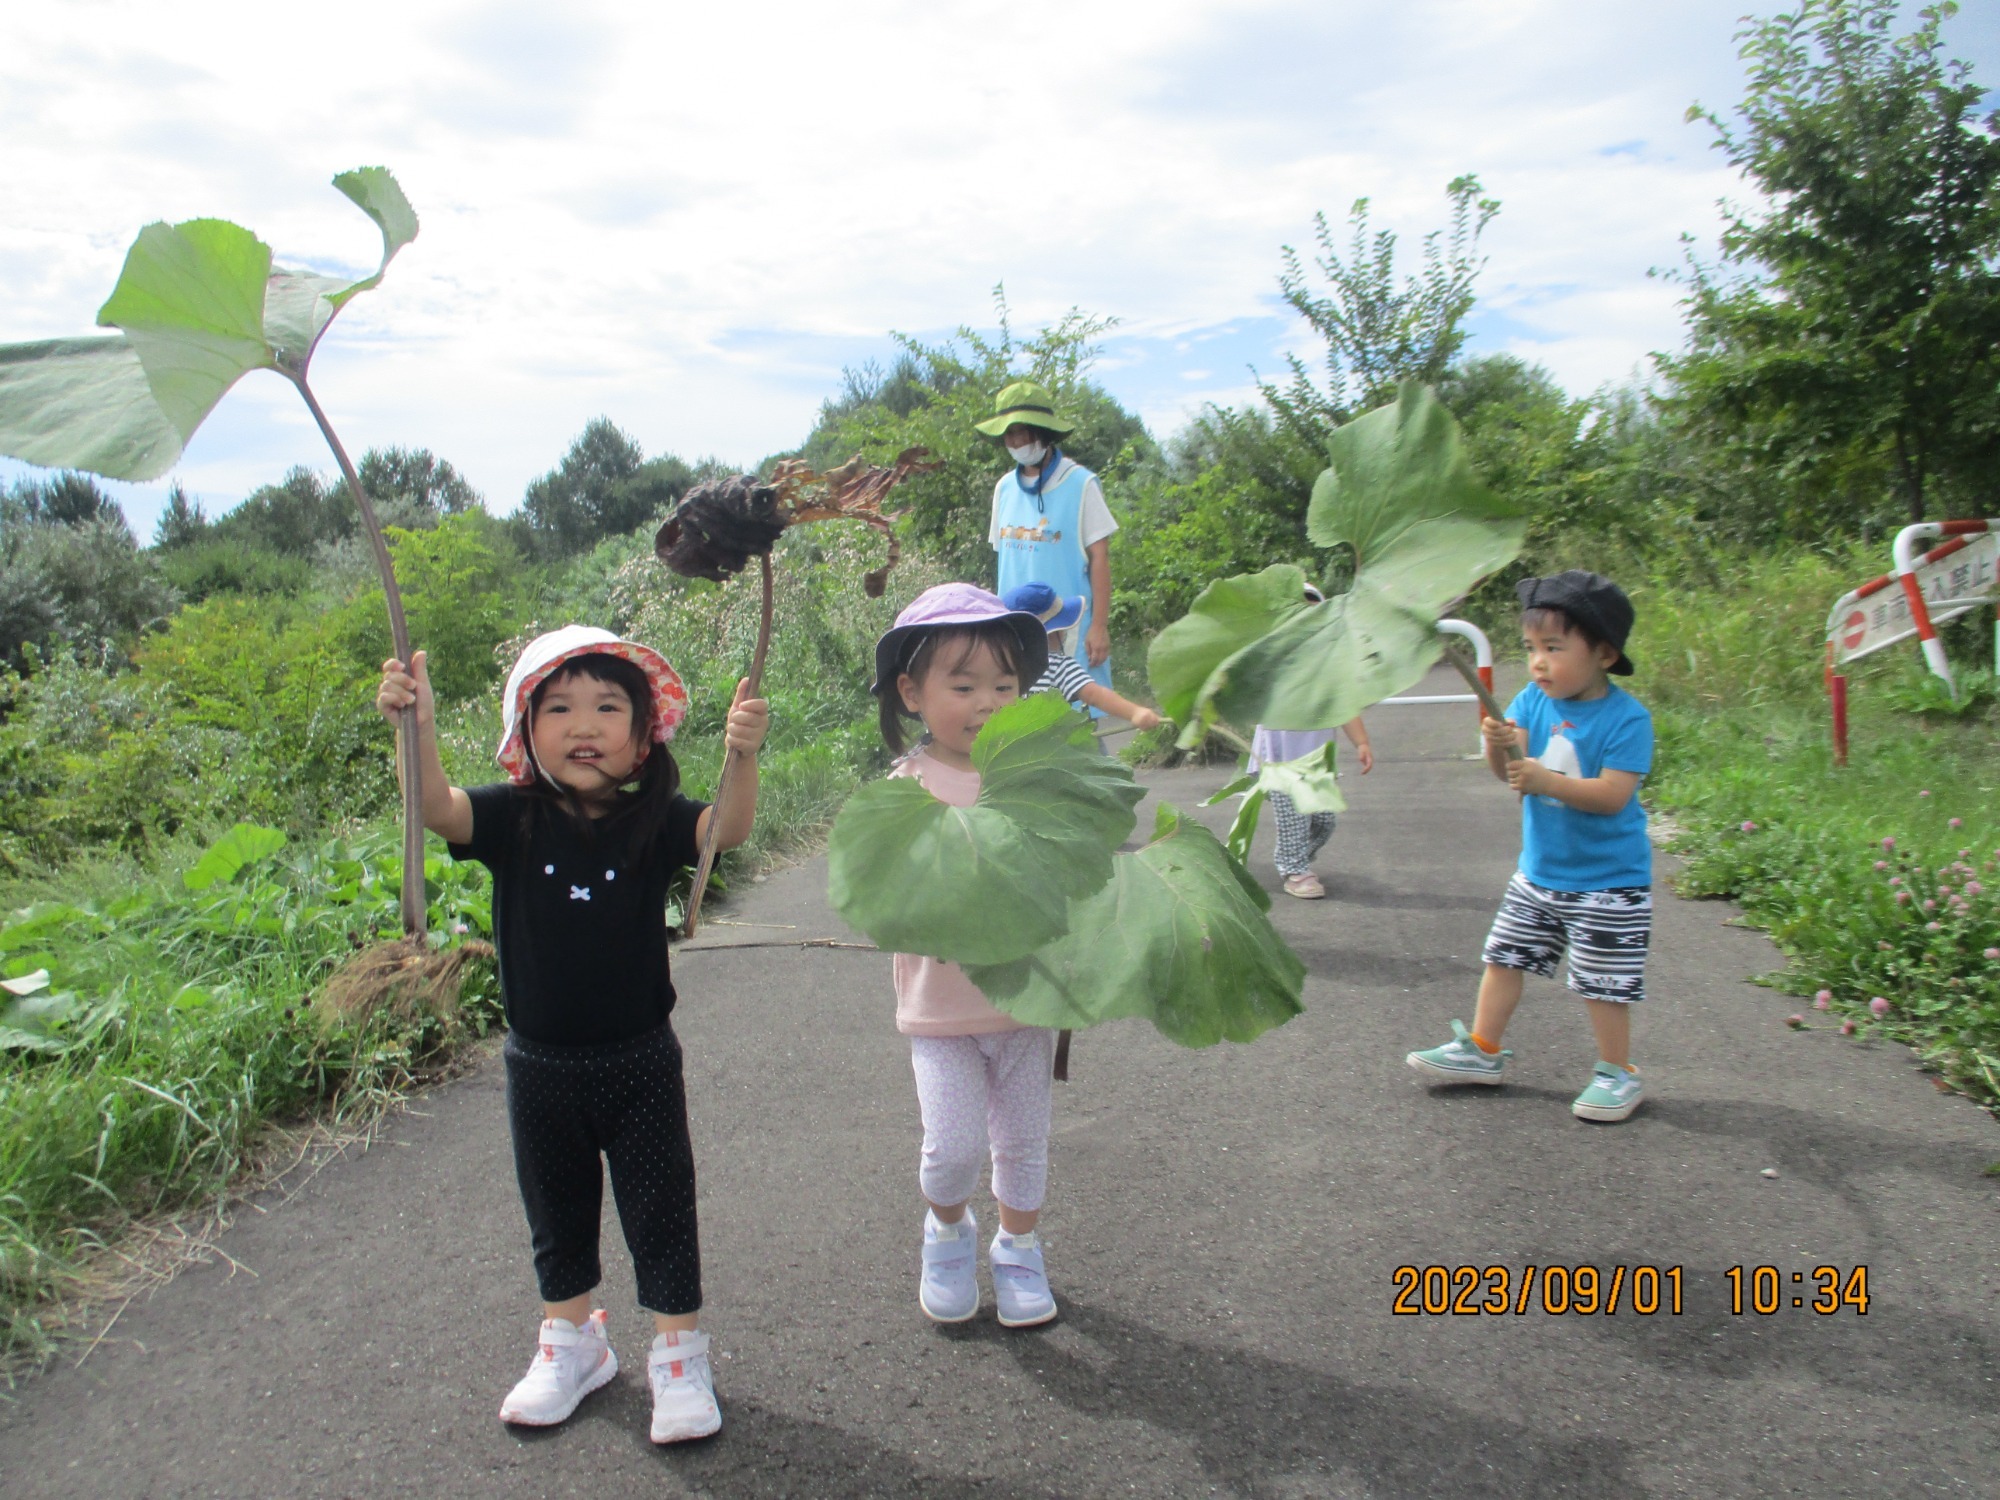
column 176, row 1024
column 1732, row 673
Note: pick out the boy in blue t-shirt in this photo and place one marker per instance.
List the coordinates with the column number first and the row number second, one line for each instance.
column 1585, row 880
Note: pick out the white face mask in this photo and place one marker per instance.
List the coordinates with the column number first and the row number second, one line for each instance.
column 1029, row 454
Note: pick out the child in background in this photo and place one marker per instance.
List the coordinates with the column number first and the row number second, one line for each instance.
column 583, row 838
column 1302, row 836
column 1585, row 879
column 954, row 658
column 1065, row 674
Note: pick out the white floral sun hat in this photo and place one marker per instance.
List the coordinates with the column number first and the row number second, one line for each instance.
column 546, row 653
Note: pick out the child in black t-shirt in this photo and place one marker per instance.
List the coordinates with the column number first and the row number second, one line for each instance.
column 582, row 840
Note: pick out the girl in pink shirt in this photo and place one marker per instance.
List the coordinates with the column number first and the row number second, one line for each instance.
column 954, row 658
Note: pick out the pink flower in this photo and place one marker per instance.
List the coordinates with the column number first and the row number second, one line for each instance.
column 1929, row 905
column 1944, row 890
column 1955, row 823
column 1993, row 952
column 1847, row 1028
column 1797, row 1023
column 1925, row 792
column 1895, row 880
column 1974, row 888
column 1879, row 1006
column 1881, row 864
column 1823, row 999
column 1902, row 898
column 1747, row 827
column 1933, row 926
column 1891, row 843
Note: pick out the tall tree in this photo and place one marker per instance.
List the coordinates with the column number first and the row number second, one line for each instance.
column 415, row 479
column 292, row 516
column 1845, row 346
column 182, row 521
column 603, row 487
column 69, row 499
column 1379, row 333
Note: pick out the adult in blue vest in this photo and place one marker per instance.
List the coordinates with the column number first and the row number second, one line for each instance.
column 1050, row 523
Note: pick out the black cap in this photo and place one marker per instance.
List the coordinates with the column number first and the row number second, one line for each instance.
column 1592, row 601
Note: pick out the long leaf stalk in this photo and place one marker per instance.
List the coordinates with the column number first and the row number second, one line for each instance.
column 412, row 901
column 1487, row 702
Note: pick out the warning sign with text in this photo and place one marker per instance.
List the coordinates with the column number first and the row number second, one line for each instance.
column 1963, row 579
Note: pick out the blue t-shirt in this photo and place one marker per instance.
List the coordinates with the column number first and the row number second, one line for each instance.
column 1564, row 848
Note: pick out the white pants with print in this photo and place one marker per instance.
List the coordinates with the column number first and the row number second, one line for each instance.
column 981, row 1092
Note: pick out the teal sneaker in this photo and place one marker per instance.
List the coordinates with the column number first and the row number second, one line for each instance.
column 1460, row 1059
column 1613, row 1094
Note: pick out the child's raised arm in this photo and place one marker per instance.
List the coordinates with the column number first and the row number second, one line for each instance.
column 1098, row 696
column 743, row 734
column 447, row 810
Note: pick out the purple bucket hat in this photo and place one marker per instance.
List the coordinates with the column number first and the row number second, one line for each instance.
column 958, row 604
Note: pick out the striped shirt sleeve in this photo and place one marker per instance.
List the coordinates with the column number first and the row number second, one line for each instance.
column 1064, row 676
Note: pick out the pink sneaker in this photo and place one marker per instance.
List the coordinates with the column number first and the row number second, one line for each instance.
column 1306, row 887
column 571, row 1363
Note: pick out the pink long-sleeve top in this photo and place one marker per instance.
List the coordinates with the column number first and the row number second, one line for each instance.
column 934, row 998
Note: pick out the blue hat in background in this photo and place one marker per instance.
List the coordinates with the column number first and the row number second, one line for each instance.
column 1046, row 605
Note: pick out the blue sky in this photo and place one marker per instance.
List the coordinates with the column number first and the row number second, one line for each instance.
column 691, row 218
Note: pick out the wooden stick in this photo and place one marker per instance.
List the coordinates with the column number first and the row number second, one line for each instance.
column 702, row 869
column 1486, row 702
column 413, row 903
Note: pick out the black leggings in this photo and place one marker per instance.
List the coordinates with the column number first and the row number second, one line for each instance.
column 565, row 1105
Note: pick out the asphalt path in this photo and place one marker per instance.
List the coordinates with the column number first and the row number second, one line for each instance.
column 1225, row 1229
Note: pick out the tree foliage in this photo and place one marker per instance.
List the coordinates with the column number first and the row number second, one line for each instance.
column 1846, row 350
column 71, row 576
column 604, row 487
column 1379, row 334
column 414, row 480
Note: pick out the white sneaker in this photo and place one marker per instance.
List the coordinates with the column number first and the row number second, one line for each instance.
column 571, row 1363
column 949, row 1291
column 683, row 1388
column 1020, row 1284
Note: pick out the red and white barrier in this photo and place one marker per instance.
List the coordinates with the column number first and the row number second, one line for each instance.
column 1956, row 576
column 1482, row 656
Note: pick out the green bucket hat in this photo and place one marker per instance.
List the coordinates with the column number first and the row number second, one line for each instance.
column 1027, row 403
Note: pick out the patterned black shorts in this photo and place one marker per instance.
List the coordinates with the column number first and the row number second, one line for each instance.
column 1604, row 932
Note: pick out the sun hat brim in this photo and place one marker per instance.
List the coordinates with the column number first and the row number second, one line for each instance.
column 546, row 654
column 1027, row 416
column 1029, row 403
column 1045, row 604
column 950, row 604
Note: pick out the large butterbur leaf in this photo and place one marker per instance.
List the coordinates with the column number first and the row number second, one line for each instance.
column 993, row 881
column 1226, row 616
column 84, row 404
column 298, row 305
column 233, row 853
column 198, row 306
column 1179, row 935
column 1399, row 491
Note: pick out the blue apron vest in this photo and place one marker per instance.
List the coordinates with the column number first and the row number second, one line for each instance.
column 1044, row 544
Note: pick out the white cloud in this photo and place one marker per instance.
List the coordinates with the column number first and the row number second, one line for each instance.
column 689, row 218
